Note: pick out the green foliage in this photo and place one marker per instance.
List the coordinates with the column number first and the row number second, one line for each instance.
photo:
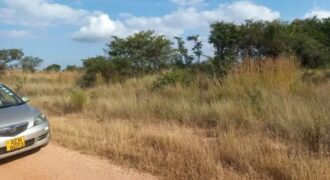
column 88, row 80
column 225, row 38
column 178, row 76
column 7, row 56
column 145, row 52
column 30, row 63
column 181, row 57
column 311, row 52
column 206, row 67
column 197, row 49
column 72, row 68
column 140, row 53
column 275, row 39
column 94, row 66
column 314, row 28
column 78, row 99
column 307, row 39
column 54, row 68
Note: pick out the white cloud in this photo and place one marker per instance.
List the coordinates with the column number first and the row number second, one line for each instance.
column 318, row 13
column 239, row 11
column 191, row 18
column 95, row 25
column 41, row 12
column 98, row 28
column 187, row 2
column 15, row 33
column 173, row 24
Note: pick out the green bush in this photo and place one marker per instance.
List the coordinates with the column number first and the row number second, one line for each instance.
column 78, row 99
column 96, row 65
column 53, row 67
column 72, row 68
column 179, row 76
column 88, row 80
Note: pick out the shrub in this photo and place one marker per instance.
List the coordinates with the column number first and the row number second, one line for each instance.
column 78, row 99
column 96, row 65
column 54, row 68
column 183, row 77
column 88, row 80
column 72, row 68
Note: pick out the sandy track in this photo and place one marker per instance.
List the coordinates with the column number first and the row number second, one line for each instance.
column 57, row 163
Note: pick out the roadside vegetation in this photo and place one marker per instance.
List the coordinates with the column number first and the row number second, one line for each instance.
column 258, row 109
column 267, row 120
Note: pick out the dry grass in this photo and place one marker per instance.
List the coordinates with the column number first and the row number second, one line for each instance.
column 266, row 120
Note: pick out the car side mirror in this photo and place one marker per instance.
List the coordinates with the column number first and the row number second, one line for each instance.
column 26, row 99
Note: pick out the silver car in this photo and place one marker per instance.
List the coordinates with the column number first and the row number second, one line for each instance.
column 22, row 127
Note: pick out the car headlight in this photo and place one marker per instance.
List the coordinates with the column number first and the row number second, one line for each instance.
column 39, row 119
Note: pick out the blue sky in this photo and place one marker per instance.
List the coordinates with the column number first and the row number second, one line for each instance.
column 66, row 31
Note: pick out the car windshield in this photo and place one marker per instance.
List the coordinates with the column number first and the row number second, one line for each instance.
column 8, row 98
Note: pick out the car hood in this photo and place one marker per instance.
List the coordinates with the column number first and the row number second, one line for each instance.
column 17, row 114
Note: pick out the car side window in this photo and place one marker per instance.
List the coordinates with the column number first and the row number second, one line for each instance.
column 6, row 97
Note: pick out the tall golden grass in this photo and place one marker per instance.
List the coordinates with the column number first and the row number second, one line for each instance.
column 264, row 120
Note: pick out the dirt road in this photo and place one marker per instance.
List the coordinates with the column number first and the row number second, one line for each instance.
column 57, row 163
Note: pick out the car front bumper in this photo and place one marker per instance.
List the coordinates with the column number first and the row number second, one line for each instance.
column 35, row 137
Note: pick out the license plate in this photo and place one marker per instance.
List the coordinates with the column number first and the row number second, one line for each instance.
column 15, row 144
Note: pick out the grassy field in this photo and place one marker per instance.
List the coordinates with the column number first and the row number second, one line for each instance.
column 266, row 120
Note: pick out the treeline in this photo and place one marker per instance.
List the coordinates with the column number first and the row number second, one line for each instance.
column 16, row 59
column 146, row 52
column 308, row 39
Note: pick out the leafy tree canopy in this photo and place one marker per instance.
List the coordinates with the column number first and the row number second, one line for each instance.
column 140, row 53
column 30, row 63
column 308, row 39
column 7, row 56
column 53, row 67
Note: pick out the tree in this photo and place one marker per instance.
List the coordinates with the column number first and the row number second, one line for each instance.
column 30, row 63
column 308, row 39
column 182, row 58
column 225, row 38
column 312, row 27
column 197, row 49
column 141, row 53
column 325, row 28
column 311, row 52
column 275, row 38
column 251, row 42
column 72, row 68
column 7, row 56
column 53, row 67
column 94, row 66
